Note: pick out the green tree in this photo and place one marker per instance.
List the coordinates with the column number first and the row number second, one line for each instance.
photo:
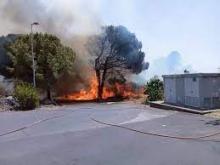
column 154, row 89
column 52, row 59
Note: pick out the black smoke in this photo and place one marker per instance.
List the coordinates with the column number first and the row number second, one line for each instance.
column 127, row 46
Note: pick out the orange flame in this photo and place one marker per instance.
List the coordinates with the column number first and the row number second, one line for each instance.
column 124, row 90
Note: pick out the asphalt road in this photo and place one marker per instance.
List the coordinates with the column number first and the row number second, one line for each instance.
column 66, row 135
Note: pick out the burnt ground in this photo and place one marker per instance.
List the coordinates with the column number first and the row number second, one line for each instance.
column 66, row 135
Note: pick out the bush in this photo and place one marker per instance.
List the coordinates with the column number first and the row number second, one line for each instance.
column 154, row 89
column 27, row 96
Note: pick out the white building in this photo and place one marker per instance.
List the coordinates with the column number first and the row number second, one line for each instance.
column 199, row 90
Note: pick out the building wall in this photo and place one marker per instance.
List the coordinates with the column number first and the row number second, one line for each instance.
column 192, row 91
column 210, row 92
column 170, row 90
column 180, row 90
column 195, row 91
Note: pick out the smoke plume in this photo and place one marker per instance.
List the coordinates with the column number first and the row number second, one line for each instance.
column 71, row 20
column 63, row 18
column 173, row 63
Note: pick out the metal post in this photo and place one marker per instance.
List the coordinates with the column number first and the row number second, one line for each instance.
column 32, row 54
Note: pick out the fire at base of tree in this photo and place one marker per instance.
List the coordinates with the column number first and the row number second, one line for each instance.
column 113, row 55
column 114, row 91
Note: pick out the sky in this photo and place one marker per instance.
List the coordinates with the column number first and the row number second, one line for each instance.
column 176, row 34
column 191, row 28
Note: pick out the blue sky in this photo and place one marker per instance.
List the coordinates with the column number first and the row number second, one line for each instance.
column 190, row 27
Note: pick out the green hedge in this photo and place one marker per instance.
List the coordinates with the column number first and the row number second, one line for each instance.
column 27, row 96
column 154, row 89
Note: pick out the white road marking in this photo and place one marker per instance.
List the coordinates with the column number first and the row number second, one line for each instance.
column 144, row 116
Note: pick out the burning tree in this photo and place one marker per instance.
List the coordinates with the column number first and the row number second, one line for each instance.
column 115, row 51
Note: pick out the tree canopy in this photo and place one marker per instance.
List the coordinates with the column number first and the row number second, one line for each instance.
column 52, row 59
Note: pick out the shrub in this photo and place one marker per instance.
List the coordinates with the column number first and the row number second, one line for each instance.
column 27, row 96
column 154, row 89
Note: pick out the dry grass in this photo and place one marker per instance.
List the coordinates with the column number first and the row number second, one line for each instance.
column 214, row 114
column 140, row 100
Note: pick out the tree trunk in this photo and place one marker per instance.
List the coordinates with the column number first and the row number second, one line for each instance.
column 49, row 96
column 102, row 80
column 98, row 77
column 102, row 85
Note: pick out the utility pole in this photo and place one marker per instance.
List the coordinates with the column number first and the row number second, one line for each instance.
column 32, row 53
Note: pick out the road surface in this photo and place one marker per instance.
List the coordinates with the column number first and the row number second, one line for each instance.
column 66, row 135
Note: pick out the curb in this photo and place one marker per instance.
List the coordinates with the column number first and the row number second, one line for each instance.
column 162, row 105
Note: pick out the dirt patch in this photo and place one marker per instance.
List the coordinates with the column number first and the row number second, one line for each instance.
column 214, row 114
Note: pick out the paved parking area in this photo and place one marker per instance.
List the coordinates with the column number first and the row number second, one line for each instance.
column 66, row 135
